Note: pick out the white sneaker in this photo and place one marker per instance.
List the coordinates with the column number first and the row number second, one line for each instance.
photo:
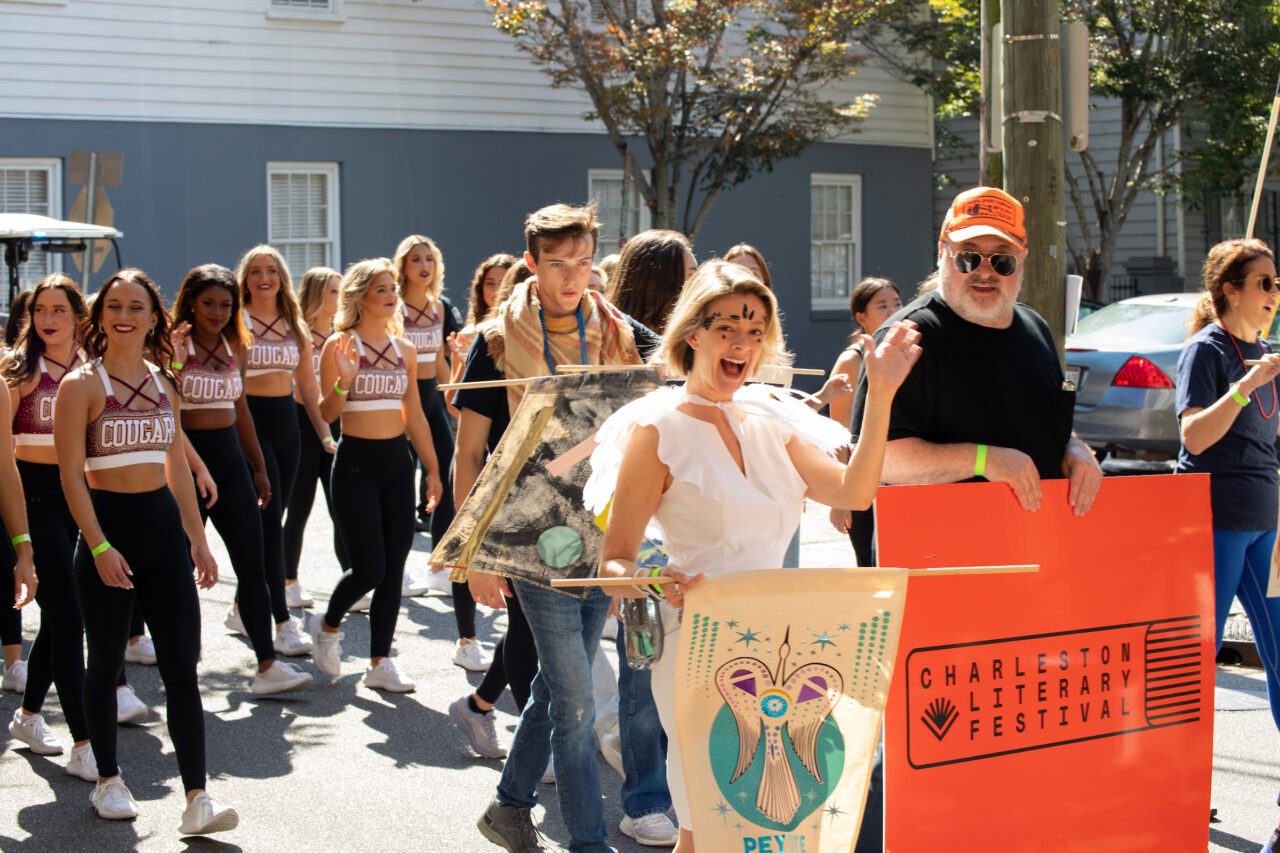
column 385, row 676
column 610, row 630
column 290, row 641
column 82, row 764
column 15, row 677
column 233, row 622
column 296, row 596
column 112, row 800
column 280, row 677
column 471, row 656
column 325, row 649
column 129, row 708
column 363, row 604
column 411, row 587
column 549, row 775
column 142, row 651
column 31, row 730
column 611, row 749
column 651, row 830
column 477, row 728
column 204, row 816
column 439, row 582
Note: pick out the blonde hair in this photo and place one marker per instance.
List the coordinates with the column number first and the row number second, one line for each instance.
column 436, row 285
column 311, row 290
column 286, row 302
column 713, row 280
column 355, row 283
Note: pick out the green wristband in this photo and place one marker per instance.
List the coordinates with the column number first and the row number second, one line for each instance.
column 980, row 463
column 1237, row 396
column 101, row 548
column 20, row 538
column 175, row 365
column 339, row 389
column 657, row 570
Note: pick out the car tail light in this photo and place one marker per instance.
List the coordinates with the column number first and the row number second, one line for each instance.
column 1139, row 372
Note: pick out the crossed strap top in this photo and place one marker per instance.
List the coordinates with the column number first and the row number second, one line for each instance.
column 270, row 355
column 33, row 419
column 205, row 386
column 425, row 332
column 317, row 345
column 121, row 436
column 378, row 386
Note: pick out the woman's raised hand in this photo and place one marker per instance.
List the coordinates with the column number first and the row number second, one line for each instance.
column 1261, row 374
column 888, row 364
column 346, row 358
column 178, row 337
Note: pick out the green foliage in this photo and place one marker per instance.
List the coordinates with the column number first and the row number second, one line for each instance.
column 716, row 89
column 1167, row 62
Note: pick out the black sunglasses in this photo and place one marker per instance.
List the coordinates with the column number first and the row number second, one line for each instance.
column 1001, row 263
column 1265, row 282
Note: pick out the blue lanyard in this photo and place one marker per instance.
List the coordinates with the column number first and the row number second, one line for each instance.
column 546, row 340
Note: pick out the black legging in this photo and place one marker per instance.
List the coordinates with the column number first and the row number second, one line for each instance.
column 314, row 463
column 515, row 660
column 277, row 429
column 372, row 489
column 236, row 518
column 146, row 528
column 464, row 606
column 57, row 655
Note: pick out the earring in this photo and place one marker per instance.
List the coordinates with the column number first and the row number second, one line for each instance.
column 1235, row 303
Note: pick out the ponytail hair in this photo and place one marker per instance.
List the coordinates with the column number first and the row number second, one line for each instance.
column 1224, row 264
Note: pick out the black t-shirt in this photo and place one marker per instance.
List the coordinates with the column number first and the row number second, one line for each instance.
column 452, row 319
column 492, row 402
column 1242, row 464
column 998, row 387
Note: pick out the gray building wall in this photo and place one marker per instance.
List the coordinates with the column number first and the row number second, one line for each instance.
column 194, row 193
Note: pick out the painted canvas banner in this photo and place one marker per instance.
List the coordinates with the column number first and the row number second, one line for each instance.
column 1066, row 710
column 524, row 518
column 781, row 679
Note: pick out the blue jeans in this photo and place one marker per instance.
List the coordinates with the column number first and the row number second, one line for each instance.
column 560, row 714
column 644, row 743
column 1241, row 567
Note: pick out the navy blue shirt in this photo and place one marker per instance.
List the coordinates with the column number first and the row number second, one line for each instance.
column 1243, row 484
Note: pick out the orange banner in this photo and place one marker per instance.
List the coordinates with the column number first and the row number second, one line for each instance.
column 1070, row 709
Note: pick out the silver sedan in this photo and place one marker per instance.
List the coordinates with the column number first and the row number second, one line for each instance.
column 1123, row 359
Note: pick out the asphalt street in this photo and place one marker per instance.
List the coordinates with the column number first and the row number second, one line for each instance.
column 341, row 767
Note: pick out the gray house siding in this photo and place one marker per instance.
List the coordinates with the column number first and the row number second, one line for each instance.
column 197, row 192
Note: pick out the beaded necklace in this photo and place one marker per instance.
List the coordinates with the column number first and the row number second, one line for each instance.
column 546, row 340
column 1258, row 399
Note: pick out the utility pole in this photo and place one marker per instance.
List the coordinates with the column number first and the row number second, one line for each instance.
column 1033, row 160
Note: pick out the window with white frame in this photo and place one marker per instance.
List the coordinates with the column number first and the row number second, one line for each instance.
column 303, row 214
column 605, row 189
column 835, row 235
column 31, row 186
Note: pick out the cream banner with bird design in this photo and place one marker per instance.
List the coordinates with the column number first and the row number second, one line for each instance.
column 780, row 689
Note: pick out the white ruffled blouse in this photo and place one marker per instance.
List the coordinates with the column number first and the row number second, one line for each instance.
column 715, row 518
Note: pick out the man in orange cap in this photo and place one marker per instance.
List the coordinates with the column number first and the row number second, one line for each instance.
column 986, row 399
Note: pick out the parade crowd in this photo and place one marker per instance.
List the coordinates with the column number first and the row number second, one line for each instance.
column 129, row 424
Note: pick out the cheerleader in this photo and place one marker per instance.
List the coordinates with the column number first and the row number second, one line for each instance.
column 318, row 300
column 369, row 375
column 45, row 351
column 210, row 338
column 420, row 278
column 279, row 357
column 126, row 480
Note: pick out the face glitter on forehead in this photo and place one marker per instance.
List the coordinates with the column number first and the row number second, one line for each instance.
column 747, row 312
